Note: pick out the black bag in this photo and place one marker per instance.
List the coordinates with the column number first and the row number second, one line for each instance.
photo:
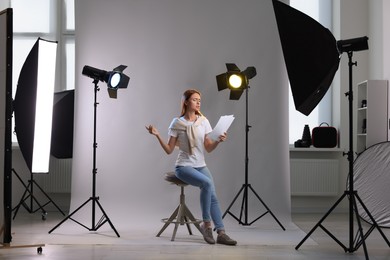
column 324, row 136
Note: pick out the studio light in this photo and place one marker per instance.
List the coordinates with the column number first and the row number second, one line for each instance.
column 33, row 108
column 33, row 105
column 312, row 57
column 355, row 44
column 115, row 79
column 235, row 80
column 238, row 81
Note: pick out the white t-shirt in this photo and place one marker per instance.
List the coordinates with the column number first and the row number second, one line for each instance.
column 196, row 159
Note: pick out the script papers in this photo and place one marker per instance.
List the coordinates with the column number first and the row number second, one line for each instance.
column 221, row 127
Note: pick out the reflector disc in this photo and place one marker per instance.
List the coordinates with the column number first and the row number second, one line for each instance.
column 371, row 181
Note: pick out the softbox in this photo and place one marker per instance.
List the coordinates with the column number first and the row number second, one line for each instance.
column 310, row 53
column 62, row 127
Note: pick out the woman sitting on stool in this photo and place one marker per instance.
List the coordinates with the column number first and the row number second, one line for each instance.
column 189, row 133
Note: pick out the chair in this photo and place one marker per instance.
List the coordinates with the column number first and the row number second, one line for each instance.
column 182, row 215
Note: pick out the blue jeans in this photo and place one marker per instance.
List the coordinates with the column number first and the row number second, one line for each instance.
column 201, row 177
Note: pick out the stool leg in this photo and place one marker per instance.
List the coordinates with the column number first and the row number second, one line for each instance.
column 192, row 218
column 179, row 220
column 169, row 221
column 188, row 225
column 188, row 213
column 182, row 215
column 185, row 209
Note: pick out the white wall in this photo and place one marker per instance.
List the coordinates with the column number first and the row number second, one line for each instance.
column 386, row 39
column 170, row 46
column 376, row 39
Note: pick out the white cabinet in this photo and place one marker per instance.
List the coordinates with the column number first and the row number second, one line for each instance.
column 372, row 120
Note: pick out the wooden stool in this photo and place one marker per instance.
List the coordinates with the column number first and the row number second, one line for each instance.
column 182, row 215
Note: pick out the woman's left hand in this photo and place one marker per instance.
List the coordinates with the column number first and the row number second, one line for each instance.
column 222, row 137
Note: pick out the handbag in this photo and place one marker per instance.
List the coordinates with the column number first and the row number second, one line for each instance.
column 324, row 136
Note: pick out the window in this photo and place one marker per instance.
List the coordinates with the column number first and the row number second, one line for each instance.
column 50, row 20
column 320, row 11
column 68, row 47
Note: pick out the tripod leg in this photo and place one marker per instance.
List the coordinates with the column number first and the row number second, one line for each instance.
column 70, row 215
column 33, row 198
column 29, row 190
column 244, row 207
column 47, row 196
column 359, row 226
column 108, row 219
column 234, row 200
column 40, row 206
column 22, row 200
column 319, row 224
column 268, row 210
column 374, row 223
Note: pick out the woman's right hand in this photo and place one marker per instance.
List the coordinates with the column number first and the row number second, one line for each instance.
column 152, row 130
column 168, row 147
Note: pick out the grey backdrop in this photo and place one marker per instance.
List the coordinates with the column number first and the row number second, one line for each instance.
column 170, row 46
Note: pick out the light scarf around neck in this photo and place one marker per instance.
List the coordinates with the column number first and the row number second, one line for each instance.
column 192, row 133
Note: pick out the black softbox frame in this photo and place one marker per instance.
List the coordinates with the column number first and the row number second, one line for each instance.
column 62, row 126
column 310, row 53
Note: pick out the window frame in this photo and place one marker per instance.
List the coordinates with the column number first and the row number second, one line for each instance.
column 58, row 31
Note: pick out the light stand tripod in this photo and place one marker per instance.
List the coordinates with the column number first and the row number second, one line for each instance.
column 247, row 186
column 350, row 193
column 94, row 199
column 29, row 193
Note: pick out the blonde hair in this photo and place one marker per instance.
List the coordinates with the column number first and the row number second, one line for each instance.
column 186, row 96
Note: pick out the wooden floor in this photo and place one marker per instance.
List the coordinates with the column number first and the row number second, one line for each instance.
column 323, row 248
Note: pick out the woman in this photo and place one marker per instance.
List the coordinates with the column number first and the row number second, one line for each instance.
column 189, row 133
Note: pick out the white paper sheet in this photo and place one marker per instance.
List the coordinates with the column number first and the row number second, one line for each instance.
column 221, row 127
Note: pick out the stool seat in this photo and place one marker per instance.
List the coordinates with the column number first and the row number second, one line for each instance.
column 182, row 215
column 171, row 177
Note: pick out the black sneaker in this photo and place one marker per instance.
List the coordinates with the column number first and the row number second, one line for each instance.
column 225, row 240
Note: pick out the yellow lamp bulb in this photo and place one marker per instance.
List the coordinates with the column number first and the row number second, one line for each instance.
column 235, row 81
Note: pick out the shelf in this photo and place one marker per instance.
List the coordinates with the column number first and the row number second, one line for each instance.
column 373, row 115
column 314, row 149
